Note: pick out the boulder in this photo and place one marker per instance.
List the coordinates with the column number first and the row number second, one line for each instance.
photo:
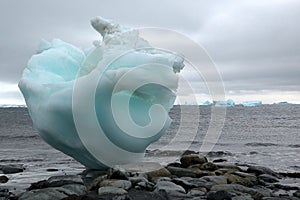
column 268, row 178
column 216, row 179
column 192, row 159
column 124, row 184
column 182, row 172
column 168, row 187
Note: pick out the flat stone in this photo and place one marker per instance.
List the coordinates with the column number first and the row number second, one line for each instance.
column 216, row 179
column 268, row 178
column 189, row 183
column 144, row 186
column 111, row 190
column 168, row 187
column 124, row 184
column 192, row 159
column 73, row 189
column 286, row 187
column 233, row 178
column 183, row 172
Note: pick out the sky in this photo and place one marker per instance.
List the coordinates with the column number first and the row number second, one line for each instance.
column 254, row 43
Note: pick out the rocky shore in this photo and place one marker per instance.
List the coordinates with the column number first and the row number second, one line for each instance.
column 194, row 177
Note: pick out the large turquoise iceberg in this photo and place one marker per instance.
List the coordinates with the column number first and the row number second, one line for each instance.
column 102, row 106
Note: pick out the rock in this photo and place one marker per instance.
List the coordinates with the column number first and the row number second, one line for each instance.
column 111, row 190
column 54, row 192
column 236, row 188
column 219, row 160
column 268, row 178
column 209, row 166
column 136, row 180
column 3, row 179
column 124, row 184
column 280, row 198
column 245, row 180
column 286, row 187
column 73, row 189
column 51, row 170
column 11, row 169
column 182, row 172
column 228, row 167
column 216, row 179
column 56, row 181
column 168, row 187
column 248, row 179
column 290, row 174
column 192, row 159
column 144, row 186
column 195, row 193
column 219, row 153
column 117, row 173
column 81, row 197
column 242, row 197
column 43, row 194
column 151, row 169
column 96, row 182
column 258, row 170
column 189, row 183
column 297, row 194
column 219, row 195
column 157, row 179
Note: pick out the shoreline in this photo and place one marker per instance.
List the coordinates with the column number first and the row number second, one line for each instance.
column 194, row 177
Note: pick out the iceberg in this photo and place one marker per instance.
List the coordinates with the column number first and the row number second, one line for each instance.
column 251, row 103
column 228, row 103
column 105, row 106
column 206, row 103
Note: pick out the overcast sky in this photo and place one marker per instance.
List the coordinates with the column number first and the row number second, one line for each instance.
column 255, row 44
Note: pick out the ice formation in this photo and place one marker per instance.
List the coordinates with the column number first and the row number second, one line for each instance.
column 251, row 103
column 228, row 103
column 104, row 106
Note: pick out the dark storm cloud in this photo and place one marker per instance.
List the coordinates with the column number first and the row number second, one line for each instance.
column 255, row 44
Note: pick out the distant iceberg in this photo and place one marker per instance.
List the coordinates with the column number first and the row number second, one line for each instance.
column 251, row 103
column 282, row 103
column 206, row 103
column 228, row 103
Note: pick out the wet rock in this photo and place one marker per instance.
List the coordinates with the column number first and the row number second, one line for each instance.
column 11, row 169
column 280, row 198
column 111, row 190
column 54, row 192
column 209, row 166
column 258, row 170
column 3, row 179
column 229, row 167
column 297, row 194
column 144, row 185
column 216, row 179
column 168, row 187
column 195, row 193
column 189, row 183
column 95, row 184
column 182, row 172
column 192, row 159
column 268, row 178
column 151, row 169
column 286, row 187
column 43, row 194
column 117, row 173
column 124, row 184
column 219, row 195
column 136, row 180
column 236, row 188
column 232, row 178
column 56, row 181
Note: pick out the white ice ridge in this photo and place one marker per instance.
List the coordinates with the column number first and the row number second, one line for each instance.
column 106, row 105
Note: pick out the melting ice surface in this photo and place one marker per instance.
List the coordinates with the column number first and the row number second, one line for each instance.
column 251, row 103
column 104, row 106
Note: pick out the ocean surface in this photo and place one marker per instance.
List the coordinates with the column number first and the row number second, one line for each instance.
column 268, row 135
